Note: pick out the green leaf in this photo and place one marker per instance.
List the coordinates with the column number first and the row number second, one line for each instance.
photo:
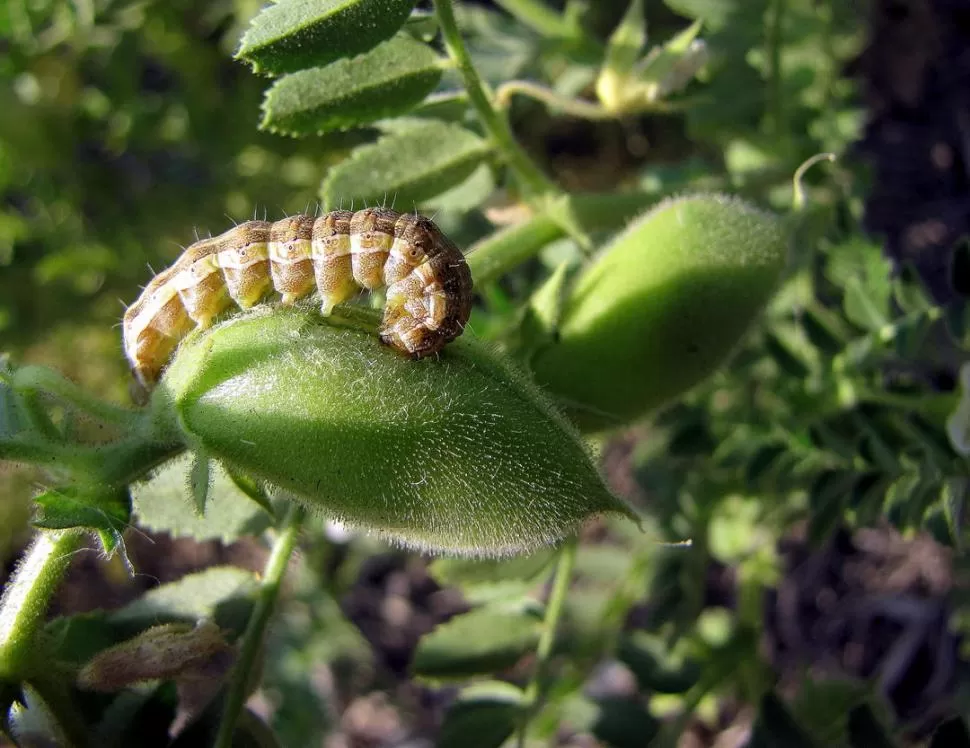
column 449, row 106
column 93, row 508
column 656, row 667
column 828, row 494
column 458, row 452
column 296, row 34
column 670, row 68
column 200, row 481
column 867, row 497
column 788, row 360
column 622, row 52
column 410, row 166
column 221, row 593
column 486, row 581
column 252, row 732
column 72, row 640
column 483, row 716
column 863, row 307
column 537, row 323
column 387, row 81
column 422, row 25
column 466, row 196
column 763, row 460
column 824, row 330
column 12, row 419
column 909, row 292
column 957, row 319
column 481, row 642
column 623, row 723
column 954, row 506
column 166, row 504
column 715, row 13
column 468, row 572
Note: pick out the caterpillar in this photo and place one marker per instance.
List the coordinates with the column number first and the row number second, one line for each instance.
column 429, row 285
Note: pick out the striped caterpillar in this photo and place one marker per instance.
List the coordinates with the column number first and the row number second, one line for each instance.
column 429, row 286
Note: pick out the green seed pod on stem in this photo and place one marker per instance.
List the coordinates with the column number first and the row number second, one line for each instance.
column 459, row 453
column 661, row 308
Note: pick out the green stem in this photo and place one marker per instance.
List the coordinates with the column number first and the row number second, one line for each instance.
column 799, row 199
column 506, row 249
column 115, row 463
column 252, row 640
column 773, row 41
column 574, row 107
column 533, row 180
column 26, row 596
column 550, row 624
column 40, row 378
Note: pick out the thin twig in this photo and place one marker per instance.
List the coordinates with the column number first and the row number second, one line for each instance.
column 252, row 639
column 550, row 624
column 533, row 180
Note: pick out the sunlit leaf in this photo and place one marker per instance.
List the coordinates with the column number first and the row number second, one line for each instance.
column 295, row 34
column 476, row 643
column 408, row 167
column 483, row 716
column 389, row 80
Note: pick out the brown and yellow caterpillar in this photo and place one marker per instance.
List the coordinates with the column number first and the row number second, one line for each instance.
column 429, row 286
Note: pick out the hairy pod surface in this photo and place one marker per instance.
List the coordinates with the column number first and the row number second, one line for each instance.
column 458, row 453
column 661, row 308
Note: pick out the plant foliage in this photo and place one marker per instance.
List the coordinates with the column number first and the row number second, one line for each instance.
column 711, row 434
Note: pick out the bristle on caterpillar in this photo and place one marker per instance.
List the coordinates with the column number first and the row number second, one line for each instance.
column 429, row 286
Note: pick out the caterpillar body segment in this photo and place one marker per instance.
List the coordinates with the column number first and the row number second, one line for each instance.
column 429, row 286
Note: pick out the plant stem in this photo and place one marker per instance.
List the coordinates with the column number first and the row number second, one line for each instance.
column 26, row 597
column 550, row 623
column 252, row 638
column 510, row 247
column 773, row 41
column 114, row 463
column 40, row 378
column 799, row 199
column 574, row 107
column 533, row 180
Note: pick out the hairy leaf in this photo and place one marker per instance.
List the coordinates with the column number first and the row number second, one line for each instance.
column 93, row 508
column 296, row 34
column 167, row 503
column 476, row 643
column 483, row 716
column 387, row 81
column 220, row 593
column 407, row 167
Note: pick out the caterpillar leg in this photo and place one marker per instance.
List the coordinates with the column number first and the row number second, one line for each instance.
column 202, row 289
column 336, row 292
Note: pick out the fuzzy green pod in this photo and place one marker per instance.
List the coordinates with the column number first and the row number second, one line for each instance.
column 459, row 453
column 661, row 308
